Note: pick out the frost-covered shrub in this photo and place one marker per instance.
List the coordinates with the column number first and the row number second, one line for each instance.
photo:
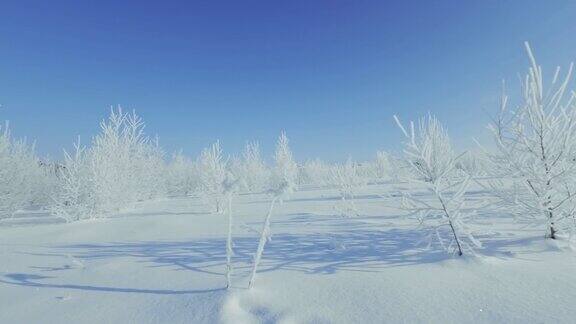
column 348, row 180
column 183, row 177
column 365, row 170
column 473, row 163
column 21, row 176
column 235, row 171
column 212, row 170
column 121, row 167
column 429, row 152
column 383, row 166
column 315, row 172
column 75, row 196
column 386, row 167
column 536, row 145
column 46, row 183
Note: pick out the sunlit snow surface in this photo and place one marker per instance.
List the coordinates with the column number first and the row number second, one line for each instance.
column 164, row 262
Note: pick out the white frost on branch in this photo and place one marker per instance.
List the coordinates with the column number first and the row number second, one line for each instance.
column 536, row 150
column 429, row 152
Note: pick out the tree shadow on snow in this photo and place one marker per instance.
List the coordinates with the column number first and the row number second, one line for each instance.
column 349, row 249
column 32, row 280
column 348, row 246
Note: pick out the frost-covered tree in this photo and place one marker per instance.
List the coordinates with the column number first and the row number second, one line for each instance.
column 315, row 172
column 536, row 145
column 365, row 171
column 283, row 184
column 255, row 174
column 127, row 165
column 235, row 167
column 386, row 167
column 121, row 167
column 152, row 171
column 212, row 169
column 45, row 183
column 348, row 180
column 429, row 152
column 285, row 172
column 183, row 175
column 231, row 186
column 75, row 196
column 20, row 173
column 383, row 166
column 280, row 193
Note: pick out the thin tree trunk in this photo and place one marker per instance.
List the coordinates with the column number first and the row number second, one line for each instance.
column 229, row 250
column 552, row 229
column 262, row 243
column 460, row 253
column 456, row 238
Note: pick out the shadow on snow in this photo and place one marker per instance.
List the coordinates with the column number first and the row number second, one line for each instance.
column 31, row 280
column 355, row 246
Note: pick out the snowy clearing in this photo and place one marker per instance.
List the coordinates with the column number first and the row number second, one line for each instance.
column 164, row 261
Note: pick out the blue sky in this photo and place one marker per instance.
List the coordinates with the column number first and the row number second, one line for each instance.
column 331, row 73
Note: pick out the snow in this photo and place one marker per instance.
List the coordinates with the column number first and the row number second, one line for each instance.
column 164, row 262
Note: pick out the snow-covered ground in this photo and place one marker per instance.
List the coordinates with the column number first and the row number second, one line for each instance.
column 164, row 262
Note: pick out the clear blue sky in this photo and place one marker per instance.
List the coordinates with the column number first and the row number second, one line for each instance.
column 331, row 73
